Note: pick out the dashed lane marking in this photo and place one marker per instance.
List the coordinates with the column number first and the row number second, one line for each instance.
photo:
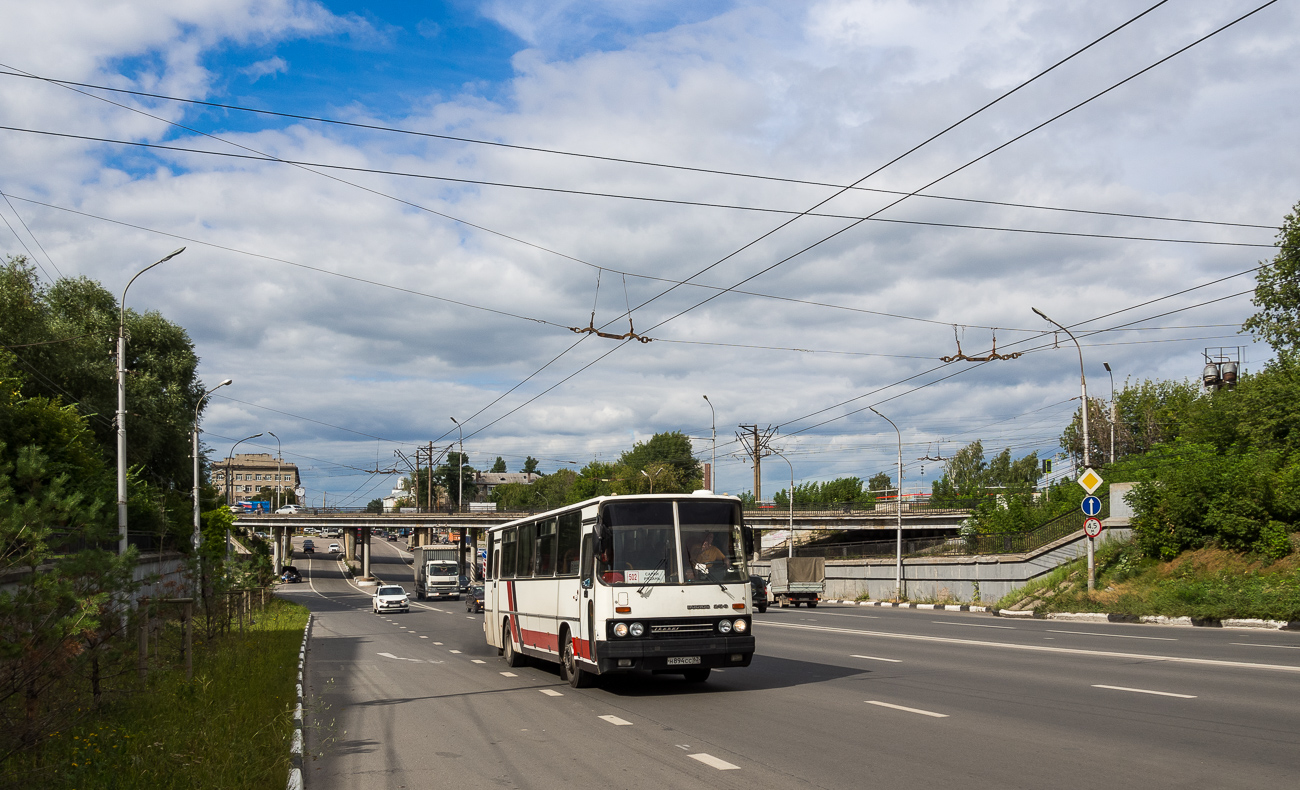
column 616, row 721
column 714, row 762
column 509, row 675
column 907, row 709
column 1145, row 691
column 453, row 651
column 551, row 692
column 424, row 637
column 878, row 658
column 1116, row 636
column 974, row 625
column 477, row 661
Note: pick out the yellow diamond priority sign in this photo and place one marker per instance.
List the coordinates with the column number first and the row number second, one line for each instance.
column 1090, row 480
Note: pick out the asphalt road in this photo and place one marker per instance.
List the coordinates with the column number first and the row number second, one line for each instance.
column 837, row 697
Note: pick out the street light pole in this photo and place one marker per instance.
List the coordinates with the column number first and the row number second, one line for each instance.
column 121, row 407
column 789, row 543
column 460, row 469
column 898, row 550
column 277, row 470
column 713, row 464
column 1087, row 439
column 198, row 536
column 1083, row 386
column 1112, row 410
column 229, row 483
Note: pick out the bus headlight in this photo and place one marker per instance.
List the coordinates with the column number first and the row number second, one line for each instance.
column 740, row 626
column 724, row 626
column 620, row 629
column 637, row 629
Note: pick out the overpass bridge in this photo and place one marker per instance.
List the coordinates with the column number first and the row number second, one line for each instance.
column 918, row 521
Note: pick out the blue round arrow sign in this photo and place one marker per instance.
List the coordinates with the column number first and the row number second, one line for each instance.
column 1091, row 506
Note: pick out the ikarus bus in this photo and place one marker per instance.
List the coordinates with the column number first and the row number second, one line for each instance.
column 614, row 584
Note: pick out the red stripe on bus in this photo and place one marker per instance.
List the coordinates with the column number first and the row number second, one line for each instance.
column 542, row 639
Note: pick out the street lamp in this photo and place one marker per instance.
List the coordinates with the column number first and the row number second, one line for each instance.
column 898, row 550
column 277, row 469
column 229, row 487
column 460, row 469
column 651, row 477
column 121, row 407
column 1112, row 410
column 713, row 464
column 1087, row 439
column 198, row 536
column 1083, row 387
column 789, row 543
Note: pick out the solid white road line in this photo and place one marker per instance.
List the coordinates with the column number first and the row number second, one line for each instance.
column 878, row 658
column 551, row 692
column 1144, row 691
column 1251, row 644
column 1074, row 651
column 1117, row 636
column 616, row 721
column 714, row 762
column 905, row 708
column 974, row 625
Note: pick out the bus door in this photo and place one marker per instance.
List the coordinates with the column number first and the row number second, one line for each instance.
column 493, row 572
column 586, row 599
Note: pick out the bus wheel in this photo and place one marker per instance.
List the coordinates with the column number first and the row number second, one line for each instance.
column 697, row 675
column 513, row 659
column 569, row 669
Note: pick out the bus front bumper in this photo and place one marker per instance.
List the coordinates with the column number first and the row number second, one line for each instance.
column 673, row 654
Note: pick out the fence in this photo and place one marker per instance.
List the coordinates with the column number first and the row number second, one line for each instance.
column 958, row 545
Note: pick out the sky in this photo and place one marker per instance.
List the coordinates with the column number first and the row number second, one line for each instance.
column 433, row 194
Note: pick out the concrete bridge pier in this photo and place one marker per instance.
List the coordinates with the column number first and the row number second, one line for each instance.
column 365, row 553
column 276, row 533
column 350, row 544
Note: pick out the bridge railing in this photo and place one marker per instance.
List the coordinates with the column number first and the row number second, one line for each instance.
column 878, row 507
column 958, row 545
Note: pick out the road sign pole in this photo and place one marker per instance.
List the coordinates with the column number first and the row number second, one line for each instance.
column 1092, row 569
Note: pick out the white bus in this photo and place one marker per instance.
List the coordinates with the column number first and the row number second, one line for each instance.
column 614, row 584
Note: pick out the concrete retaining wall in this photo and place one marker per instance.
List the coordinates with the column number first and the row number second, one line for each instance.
column 969, row 579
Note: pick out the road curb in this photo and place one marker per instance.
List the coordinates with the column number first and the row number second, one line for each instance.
column 945, row 607
column 296, row 749
column 1155, row 619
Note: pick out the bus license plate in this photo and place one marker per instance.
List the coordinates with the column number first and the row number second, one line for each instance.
column 674, row 661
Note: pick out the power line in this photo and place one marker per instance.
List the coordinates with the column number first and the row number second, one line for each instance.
column 641, row 198
column 597, row 157
column 979, row 158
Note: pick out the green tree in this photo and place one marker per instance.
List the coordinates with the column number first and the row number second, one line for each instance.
column 456, row 477
column 880, row 481
column 530, row 465
column 669, row 449
column 499, row 466
column 1277, row 291
column 375, row 506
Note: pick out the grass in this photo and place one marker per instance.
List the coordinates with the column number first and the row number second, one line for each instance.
column 1208, row 583
column 228, row 728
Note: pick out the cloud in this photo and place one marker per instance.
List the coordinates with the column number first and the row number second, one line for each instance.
column 827, row 94
column 265, row 68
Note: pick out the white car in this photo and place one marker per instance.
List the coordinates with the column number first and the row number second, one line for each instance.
column 390, row 598
column 288, row 510
column 335, row 548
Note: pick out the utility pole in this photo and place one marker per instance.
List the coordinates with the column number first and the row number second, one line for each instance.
column 756, row 447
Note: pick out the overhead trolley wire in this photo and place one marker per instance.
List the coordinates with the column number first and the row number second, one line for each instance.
column 642, row 198
column 979, row 158
column 597, row 157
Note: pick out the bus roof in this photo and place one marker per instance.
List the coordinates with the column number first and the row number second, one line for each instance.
column 702, row 494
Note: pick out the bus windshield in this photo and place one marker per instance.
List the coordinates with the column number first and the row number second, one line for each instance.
column 640, row 544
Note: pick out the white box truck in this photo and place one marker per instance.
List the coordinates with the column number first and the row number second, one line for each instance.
column 437, row 572
column 797, row 580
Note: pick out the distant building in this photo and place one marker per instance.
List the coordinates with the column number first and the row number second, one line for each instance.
column 251, row 472
column 485, row 482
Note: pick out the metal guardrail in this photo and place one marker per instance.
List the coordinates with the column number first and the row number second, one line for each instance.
column 878, row 507
column 959, row 545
